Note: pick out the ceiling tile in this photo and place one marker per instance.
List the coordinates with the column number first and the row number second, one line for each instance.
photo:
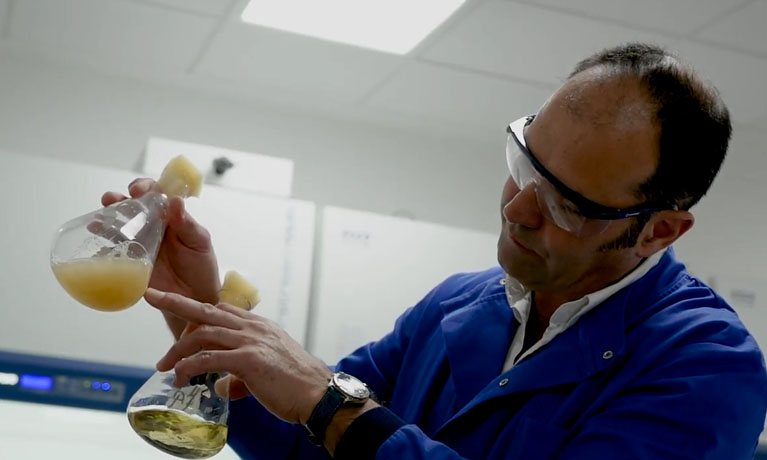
column 677, row 17
column 465, row 100
column 745, row 29
column 741, row 79
column 257, row 57
column 527, row 42
column 210, row 7
column 114, row 35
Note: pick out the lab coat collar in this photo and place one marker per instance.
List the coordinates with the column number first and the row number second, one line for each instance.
column 477, row 337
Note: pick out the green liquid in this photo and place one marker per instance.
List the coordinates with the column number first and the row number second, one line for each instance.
column 178, row 433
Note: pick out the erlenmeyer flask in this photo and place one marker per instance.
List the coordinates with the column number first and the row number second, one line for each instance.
column 104, row 258
column 188, row 422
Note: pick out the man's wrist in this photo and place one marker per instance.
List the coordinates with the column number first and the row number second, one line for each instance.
column 314, row 395
column 341, row 421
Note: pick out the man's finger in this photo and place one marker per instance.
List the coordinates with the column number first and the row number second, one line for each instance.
column 191, row 310
column 95, row 226
column 241, row 312
column 185, row 228
column 207, row 361
column 202, row 338
column 232, row 386
column 110, row 198
column 140, row 186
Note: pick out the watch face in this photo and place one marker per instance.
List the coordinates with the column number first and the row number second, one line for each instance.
column 351, row 386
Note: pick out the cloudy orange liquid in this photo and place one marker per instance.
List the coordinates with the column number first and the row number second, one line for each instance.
column 104, row 284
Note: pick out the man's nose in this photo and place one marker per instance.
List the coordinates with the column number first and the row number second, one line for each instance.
column 523, row 208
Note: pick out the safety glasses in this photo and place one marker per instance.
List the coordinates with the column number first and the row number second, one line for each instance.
column 560, row 204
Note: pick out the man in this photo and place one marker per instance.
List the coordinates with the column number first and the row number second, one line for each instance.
column 591, row 341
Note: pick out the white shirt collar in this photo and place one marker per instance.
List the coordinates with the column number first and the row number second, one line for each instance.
column 518, row 295
column 567, row 314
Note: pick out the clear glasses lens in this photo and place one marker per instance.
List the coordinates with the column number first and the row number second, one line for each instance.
column 520, row 168
column 556, row 208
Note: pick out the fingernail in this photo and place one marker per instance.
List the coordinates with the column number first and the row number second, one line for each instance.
column 152, row 296
column 159, row 366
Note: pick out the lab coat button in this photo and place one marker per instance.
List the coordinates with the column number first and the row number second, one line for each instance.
column 503, row 382
column 607, row 355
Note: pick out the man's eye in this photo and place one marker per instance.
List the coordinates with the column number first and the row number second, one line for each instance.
column 568, row 207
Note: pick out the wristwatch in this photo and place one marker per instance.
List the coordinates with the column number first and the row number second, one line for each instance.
column 343, row 390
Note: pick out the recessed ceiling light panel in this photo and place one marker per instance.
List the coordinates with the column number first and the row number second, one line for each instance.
column 393, row 26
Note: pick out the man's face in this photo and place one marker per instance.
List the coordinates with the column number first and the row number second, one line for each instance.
column 595, row 135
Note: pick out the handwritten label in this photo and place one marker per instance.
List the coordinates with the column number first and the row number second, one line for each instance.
column 184, row 398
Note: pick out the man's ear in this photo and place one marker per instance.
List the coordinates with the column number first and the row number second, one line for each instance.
column 664, row 228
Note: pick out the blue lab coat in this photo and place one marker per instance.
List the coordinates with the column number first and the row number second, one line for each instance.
column 662, row 369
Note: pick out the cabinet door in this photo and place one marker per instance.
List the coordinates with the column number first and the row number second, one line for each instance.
column 372, row 267
column 269, row 240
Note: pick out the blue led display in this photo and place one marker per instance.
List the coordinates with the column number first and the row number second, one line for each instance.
column 36, row 382
column 106, row 386
column 96, row 385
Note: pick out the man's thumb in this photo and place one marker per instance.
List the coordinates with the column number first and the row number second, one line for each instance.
column 190, row 233
column 232, row 386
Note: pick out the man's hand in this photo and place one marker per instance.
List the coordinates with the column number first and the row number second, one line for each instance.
column 262, row 357
column 186, row 263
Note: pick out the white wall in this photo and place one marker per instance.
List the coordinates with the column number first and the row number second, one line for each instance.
column 728, row 238
column 727, row 247
column 69, row 113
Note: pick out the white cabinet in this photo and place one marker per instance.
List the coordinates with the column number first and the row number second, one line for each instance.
column 246, row 171
column 370, row 268
column 269, row 240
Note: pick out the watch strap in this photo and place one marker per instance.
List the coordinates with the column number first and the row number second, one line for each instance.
column 323, row 414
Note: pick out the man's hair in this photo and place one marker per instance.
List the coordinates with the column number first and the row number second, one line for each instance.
column 693, row 122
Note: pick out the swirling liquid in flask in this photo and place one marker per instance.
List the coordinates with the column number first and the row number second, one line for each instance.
column 178, row 433
column 106, row 284
column 188, row 422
